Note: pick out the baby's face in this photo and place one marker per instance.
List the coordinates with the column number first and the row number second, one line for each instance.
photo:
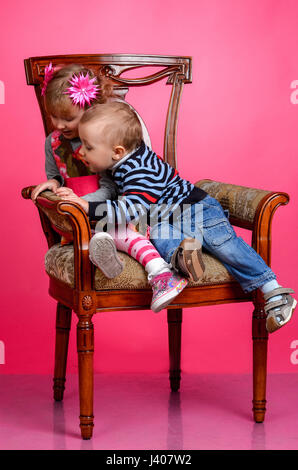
column 67, row 121
column 96, row 149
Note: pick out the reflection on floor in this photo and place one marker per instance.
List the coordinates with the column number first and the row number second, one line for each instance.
column 139, row 412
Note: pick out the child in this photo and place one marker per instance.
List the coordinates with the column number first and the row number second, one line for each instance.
column 111, row 140
column 68, row 91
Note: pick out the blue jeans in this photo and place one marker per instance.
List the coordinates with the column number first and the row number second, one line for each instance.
column 207, row 222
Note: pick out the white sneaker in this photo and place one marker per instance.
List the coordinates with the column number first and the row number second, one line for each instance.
column 103, row 253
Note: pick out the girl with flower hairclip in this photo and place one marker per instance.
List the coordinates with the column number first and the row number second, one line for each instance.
column 68, row 91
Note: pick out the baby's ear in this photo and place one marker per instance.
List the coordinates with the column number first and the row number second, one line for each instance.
column 119, row 152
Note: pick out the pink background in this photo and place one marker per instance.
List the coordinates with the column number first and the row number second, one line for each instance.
column 237, row 125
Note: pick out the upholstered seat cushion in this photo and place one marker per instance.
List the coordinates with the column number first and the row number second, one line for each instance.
column 59, row 263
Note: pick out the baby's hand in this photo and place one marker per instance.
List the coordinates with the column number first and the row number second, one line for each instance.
column 68, row 195
column 64, row 192
column 53, row 185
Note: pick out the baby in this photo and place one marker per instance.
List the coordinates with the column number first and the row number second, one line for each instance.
column 111, row 141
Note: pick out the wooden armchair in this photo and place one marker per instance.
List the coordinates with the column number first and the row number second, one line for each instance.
column 77, row 285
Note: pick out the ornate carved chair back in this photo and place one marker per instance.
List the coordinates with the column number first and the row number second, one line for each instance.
column 176, row 70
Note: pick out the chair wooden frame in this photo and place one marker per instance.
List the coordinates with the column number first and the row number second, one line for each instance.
column 84, row 300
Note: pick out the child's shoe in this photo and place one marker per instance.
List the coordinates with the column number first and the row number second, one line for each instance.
column 279, row 312
column 103, row 253
column 187, row 259
column 166, row 287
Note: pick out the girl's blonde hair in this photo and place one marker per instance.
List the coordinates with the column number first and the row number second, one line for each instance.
column 55, row 97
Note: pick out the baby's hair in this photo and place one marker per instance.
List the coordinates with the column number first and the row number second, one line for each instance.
column 55, row 97
column 121, row 123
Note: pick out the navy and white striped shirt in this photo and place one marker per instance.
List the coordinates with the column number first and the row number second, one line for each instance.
column 145, row 183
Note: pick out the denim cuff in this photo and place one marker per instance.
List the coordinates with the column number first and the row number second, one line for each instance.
column 258, row 282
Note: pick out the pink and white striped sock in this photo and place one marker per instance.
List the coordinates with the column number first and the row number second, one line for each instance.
column 141, row 249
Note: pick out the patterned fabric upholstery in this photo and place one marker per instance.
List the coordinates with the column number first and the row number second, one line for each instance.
column 59, row 263
column 241, row 202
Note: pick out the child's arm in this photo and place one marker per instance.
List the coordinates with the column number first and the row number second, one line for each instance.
column 55, row 180
column 142, row 187
column 128, row 205
column 107, row 190
column 139, row 193
column 51, row 168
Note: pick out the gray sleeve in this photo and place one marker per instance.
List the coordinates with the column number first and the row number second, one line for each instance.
column 52, row 171
column 108, row 190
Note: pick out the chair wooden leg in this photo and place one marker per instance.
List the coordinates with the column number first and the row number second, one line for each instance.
column 63, row 323
column 85, row 346
column 260, row 341
column 174, row 330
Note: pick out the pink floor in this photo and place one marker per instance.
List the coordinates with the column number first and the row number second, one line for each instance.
column 210, row 412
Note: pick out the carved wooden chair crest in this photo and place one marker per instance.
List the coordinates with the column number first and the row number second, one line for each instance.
column 78, row 286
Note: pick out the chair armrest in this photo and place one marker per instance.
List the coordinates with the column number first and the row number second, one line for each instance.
column 243, row 203
column 248, row 208
column 68, row 218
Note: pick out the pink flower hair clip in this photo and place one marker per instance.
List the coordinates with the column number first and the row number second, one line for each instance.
column 48, row 75
column 83, row 89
